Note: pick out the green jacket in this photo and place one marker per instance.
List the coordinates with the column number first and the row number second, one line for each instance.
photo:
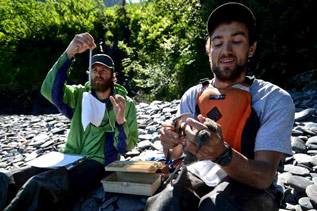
column 103, row 143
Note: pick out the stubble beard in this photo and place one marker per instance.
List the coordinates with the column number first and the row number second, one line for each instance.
column 229, row 74
column 102, row 87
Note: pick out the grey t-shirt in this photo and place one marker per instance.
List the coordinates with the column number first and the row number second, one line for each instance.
column 274, row 108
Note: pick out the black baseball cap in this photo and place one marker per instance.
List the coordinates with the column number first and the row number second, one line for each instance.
column 103, row 59
column 232, row 11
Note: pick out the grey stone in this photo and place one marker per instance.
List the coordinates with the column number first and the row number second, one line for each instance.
column 144, row 116
column 169, row 110
column 312, row 152
column 311, row 147
column 142, row 105
column 31, row 156
column 283, row 177
column 297, row 132
column 302, row 158
column 298, row 145
column 305, row 203
column 305, row 114
column 159, row 119
column 314, row 130
column 311, row 192
column 58, row 131
column 313, row 161
column 39, row 139
column 298, row 183
column 296, row 170
column 157, row 145
column 306, row 131
column 156, row 102
column 145, row 137
column 156, row 137
column 145, row 145
column 151, row 129
column 141, row 131
column 3, row 165
column 296, row 207
column 312, row 140
column 290, row 196
column 47, row 143
column 133, row 152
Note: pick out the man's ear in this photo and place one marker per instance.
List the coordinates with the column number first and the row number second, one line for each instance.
column 252, row 49
column 114, row 77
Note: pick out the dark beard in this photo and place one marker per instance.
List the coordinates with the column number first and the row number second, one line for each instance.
column 229, row 75
column 102, row 87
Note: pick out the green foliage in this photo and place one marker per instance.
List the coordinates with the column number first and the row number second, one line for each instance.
column 164, row 41
column 158, row 45
column 33, row 34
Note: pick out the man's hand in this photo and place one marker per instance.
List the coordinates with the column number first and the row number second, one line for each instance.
column 212, row 148
column 169, row 137
column 119, row 108
column 79, row 44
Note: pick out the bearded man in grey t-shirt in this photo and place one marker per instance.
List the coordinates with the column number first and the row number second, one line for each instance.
column 248, row 179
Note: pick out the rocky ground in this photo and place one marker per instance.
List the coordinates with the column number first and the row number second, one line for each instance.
column 25, row 137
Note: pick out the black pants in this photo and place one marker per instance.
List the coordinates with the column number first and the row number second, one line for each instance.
column 33, row 188
column 190, row 193
column 230, row 195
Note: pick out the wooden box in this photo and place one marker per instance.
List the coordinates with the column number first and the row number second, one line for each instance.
column 132, row 183
column 133, row 177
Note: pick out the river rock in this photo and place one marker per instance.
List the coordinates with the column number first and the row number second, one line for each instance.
column 298, row 145
column 298, row 183
column 305, row 203
column 302, row 158
column 305, row 114
column 297, row 170
column 311, row 192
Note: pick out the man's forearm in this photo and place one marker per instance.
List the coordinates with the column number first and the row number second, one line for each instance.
column 258, row 173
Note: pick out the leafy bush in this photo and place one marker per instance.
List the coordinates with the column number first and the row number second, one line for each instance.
column 157, row 45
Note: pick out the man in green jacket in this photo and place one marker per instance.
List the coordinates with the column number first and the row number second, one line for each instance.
column 101, row 143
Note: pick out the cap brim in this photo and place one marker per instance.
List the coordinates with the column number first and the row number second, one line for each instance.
column 97, row 62
column 231, row 11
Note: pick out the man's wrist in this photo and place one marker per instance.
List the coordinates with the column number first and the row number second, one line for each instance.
column 120, row 123
column 225, row 158
column 69, row 55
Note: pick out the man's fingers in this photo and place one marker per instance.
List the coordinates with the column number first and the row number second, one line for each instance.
column 190, row 145
column 195, row 124
column 169, row 133
column 120, row 101
column 88, row 40
column 201, row 118
column 113, row 101
column 168, row 125
column 85, row 41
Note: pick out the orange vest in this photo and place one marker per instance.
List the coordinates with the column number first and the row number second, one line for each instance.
column 231, row 108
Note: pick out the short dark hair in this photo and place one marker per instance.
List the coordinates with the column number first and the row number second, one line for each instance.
column 232, row 11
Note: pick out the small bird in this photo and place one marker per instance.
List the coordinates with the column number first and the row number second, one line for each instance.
column 204, row 134
column 177, row 126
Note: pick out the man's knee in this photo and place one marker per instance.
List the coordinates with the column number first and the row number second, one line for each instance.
column 236, row 196
column 4, row 184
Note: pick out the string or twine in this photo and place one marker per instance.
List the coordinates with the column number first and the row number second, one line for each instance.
column 90, row 55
